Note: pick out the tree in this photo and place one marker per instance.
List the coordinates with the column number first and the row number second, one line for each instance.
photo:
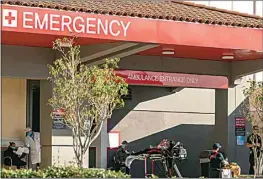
column 253, row 110
column 86, row 94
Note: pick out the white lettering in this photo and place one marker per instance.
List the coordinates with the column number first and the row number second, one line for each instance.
column 161, row 78
column 54, row 21
column 25, row 19
column 78, row 24
column 111, row 28
column 102, row 26
column 81, row 25
column 192, row 80
column 125, row 27
column 39, row 24
column 89, row 25
column 65, row 23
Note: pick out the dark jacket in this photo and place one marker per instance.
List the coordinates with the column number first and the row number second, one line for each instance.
column 121, row 156
column 257, row 140
column 216, row 159
column 16, row 161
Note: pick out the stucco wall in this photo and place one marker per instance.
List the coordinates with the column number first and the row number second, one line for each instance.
column 187, row 116
column 26, row 62
column 13, row 108
column 156, row 113
column 62, row 149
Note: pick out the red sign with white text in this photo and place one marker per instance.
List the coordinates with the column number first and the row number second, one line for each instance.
column 172, row 79
column 240, row 126
column 66, row 23
column 240, row 122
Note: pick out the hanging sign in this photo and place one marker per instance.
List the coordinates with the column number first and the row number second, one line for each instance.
column 150, row 78
column 240, row 126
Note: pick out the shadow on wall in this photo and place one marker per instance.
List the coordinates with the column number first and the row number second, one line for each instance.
column 194, row 138
column 140, row 94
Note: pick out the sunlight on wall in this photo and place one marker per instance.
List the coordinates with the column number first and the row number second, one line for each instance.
column 13, row 107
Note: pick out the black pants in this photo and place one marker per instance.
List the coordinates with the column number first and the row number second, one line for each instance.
column 251, row 164
column 215, row 173
column 19, row 163
column 120, row 167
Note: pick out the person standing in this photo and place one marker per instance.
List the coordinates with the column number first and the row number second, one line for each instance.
column 254, row 143
column 32, row 141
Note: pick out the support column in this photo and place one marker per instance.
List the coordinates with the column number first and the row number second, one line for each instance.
column 221, row 118
column 45, row 123
column 104, row 143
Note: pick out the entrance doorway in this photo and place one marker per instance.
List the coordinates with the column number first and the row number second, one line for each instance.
column 33, row 105
column 33, row 108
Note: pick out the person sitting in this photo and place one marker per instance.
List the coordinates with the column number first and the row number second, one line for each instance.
column 217, row 161
column 121, row 155
column 11, row 158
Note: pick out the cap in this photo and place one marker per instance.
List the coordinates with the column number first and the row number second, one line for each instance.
column 28, row 129
column 216, row 146
column 124, row 142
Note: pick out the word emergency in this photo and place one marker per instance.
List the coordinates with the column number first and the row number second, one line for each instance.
column 77, row 24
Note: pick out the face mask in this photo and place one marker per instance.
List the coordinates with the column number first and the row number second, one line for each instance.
column 13, row 147
column 29, row 133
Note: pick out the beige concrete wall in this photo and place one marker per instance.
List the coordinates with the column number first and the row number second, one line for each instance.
column 13, row 108
column 165, row 111
column 156, row 113
column 62, row 149
column 45, row 123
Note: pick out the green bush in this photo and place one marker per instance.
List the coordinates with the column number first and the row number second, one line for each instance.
column 62, row 172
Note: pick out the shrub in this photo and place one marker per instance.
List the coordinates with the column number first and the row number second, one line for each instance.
column 62, row 172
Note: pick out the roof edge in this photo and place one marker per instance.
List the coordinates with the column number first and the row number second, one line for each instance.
column 217, row 9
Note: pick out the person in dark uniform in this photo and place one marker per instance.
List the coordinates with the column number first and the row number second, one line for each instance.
column 254, row 141
column 11, row 158
column 121, row 155
column 217, row 160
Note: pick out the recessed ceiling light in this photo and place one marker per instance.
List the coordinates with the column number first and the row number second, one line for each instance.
column 168, row 51
column 227, row 57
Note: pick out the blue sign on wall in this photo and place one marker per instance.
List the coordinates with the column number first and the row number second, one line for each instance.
column 240, row 140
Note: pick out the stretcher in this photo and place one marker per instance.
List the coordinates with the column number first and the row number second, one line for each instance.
column 153, row 158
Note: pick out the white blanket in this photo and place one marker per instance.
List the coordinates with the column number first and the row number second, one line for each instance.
column 21, row 150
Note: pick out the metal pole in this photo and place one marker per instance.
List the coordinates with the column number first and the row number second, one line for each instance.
column 177, row 171
column 254, row 7
column 152, row 167
column 254, row 13
column 145, row 167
